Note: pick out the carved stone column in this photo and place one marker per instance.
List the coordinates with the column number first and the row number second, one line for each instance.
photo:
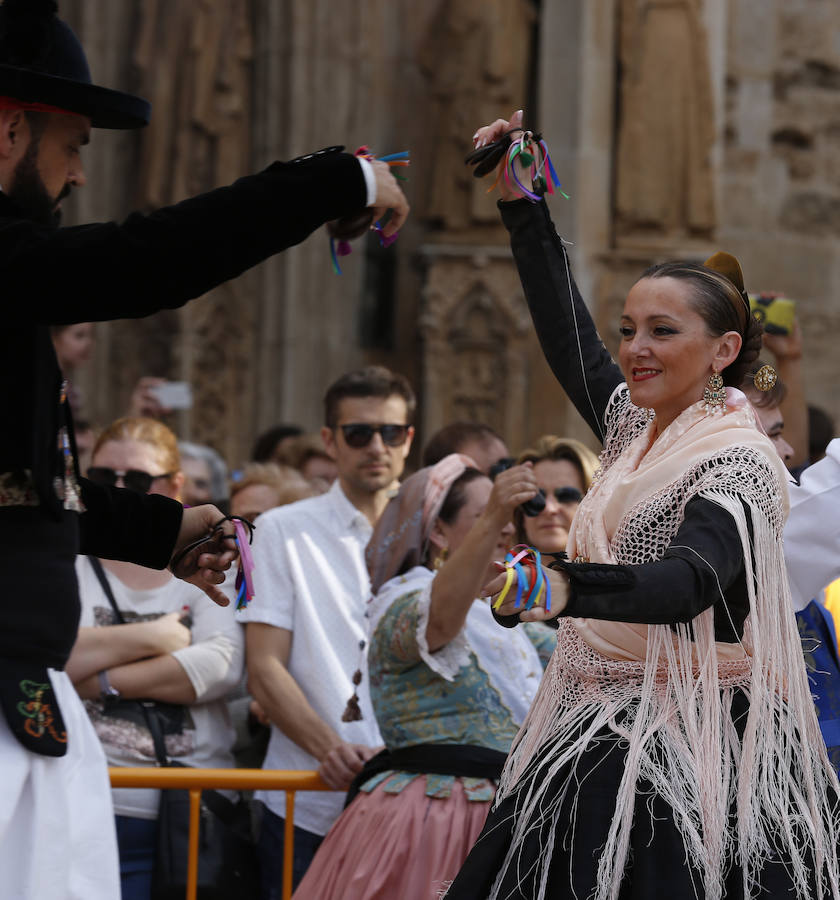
column 481, row 358
column 473, row 329
column 664, row 184
column 326, row 73
column 195, row 58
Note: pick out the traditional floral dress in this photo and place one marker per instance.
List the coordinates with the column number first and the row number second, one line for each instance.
column 407, row 832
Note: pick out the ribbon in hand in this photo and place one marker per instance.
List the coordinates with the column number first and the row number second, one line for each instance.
column 524, row 565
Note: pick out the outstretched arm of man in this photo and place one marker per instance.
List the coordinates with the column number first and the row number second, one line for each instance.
column 176, row 253
column 149, row 530
column 277, row 692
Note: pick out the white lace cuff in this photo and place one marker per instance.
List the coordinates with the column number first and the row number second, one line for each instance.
column 449, row 660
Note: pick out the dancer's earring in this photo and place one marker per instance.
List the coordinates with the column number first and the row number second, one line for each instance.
column 714, row 394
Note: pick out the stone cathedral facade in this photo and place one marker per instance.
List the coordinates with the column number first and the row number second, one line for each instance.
column 677, row 127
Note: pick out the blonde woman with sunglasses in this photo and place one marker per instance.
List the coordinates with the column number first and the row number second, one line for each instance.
column 146, row 635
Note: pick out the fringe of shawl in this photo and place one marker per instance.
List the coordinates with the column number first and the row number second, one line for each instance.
column 674, row 711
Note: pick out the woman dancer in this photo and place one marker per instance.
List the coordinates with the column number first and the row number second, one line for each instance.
column 448, row 688
column 673, row 748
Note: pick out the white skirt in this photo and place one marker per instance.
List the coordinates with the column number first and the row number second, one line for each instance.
column 57, row 836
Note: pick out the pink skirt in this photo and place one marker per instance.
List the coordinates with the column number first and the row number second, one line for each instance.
column 404, row 846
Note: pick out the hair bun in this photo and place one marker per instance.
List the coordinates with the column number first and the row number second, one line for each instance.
column 728, row 266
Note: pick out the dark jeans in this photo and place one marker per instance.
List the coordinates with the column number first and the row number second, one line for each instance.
column 137, row 841
column 270, row 852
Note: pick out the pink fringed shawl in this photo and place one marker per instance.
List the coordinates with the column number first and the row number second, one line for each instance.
column 671, row 691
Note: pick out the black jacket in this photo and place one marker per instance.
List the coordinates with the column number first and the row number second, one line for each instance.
column 110, row 271
column 149, row 262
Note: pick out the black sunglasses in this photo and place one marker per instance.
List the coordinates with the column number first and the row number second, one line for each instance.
column 567, row 495
column 134, row 479
column 360, row 435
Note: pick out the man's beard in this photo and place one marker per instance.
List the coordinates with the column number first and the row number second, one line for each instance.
column 30, row 194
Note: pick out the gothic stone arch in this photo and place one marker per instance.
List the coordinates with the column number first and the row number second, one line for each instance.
column 474, row 329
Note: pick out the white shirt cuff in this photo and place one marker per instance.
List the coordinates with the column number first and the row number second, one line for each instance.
column 370, row 180
column 448, row 660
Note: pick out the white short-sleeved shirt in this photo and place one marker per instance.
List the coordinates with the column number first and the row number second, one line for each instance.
column 311, row 579
column 812, row 530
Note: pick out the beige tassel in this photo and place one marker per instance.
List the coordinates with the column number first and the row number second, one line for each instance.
column 353, row 712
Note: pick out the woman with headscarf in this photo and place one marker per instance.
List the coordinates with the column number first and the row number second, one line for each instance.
column 449, row 687
column 672, row 749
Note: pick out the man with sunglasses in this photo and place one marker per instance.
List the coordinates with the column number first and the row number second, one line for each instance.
column 306, row 621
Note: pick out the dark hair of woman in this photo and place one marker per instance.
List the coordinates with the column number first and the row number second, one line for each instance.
column 723, row 307
column 457, row 495
column 266, row 444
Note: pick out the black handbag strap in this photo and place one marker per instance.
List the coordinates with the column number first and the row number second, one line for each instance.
column 147, row 706
column 96, row 565
column 218, row 804
column 153, row 724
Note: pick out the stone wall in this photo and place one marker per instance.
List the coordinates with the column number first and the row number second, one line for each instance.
column 781, row 170
column 238, row 83
column 752, row 166
column 773, row 101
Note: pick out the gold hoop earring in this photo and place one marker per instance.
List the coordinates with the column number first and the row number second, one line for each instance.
column 714, row 395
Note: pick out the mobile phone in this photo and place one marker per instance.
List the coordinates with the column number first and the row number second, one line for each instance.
column 776, row 313
column 532, row 507
column 173, row 394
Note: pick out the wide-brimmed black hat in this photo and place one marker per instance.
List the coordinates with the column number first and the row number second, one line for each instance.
column 42, row 62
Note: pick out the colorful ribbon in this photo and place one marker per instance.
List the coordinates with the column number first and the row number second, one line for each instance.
column 531, row 152
column 525, row 567
column 245, row 576
column 394, row 160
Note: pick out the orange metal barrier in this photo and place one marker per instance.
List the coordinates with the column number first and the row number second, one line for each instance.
column 196, row 780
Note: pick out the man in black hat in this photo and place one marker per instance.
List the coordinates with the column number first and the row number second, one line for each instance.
column 56, row 831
